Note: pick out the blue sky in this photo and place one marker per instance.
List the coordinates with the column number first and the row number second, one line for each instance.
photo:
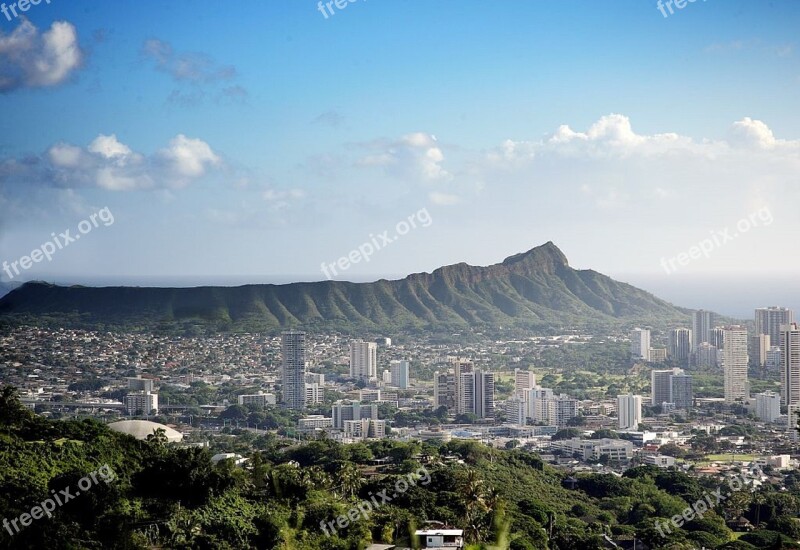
column 256, row 142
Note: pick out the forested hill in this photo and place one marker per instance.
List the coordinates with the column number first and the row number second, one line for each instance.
column 537, row 288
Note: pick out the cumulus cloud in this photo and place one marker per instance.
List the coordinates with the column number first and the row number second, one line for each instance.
column 109, row 164
column 416, row 155
column 30, row 59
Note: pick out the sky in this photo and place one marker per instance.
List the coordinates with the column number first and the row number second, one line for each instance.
column 274, row 141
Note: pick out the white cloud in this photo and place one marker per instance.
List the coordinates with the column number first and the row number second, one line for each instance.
column 443, row 199
column 30, row 59
column 107, row 163
column 416, row 155
column 189, row 158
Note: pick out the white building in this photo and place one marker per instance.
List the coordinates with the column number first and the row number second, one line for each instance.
column 768, row 406
column 260, row 399
column 293, row 347
column 662, row 461
column 343, row 411
column 790, row 364
column 702, row 324
column 141, row 403
column 516, row 410
column 363, row 360
column 629, row 411
column 640, row 344
column 616, row 449
column 770, row 320
column 399, row 374
column 315, row 421
column 365, row 429
column 524, row 380
column 734, row 363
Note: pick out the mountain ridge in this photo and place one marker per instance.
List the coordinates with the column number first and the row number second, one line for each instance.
column 532, row 289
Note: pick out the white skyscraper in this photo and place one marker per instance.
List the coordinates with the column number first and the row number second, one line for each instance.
column 524, row 380
column 768, row 406
column 702, row 323
column 293, row 346
column 515, row 411
column 734, row 363
column 538, row 402
column 629, row 411
column 769, row 320
column 640, row 344
column 476, row 394
column 363, row 360
column 790, row 364
column 759, row 346
column 399, row 374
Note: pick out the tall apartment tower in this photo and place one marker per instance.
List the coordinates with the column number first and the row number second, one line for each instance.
column 293, row 346
column 790, row 365
column 759, row 346
column 399, row 372
column 702, row 323
column 363, row 360
column 682, row 391
column 680, row 346
column 769, row 320
column 629, row 411
column 484, row 394
column 734, row 363
column 523, row 380
column 661, row 385
column 640, row 344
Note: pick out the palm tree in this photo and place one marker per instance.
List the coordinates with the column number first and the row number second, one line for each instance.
column 350, row 480
column 474, row 500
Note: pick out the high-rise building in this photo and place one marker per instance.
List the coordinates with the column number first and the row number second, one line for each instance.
column 682, row 392
column 444, row 391
column 680, row 346
column 769, row 320
column 565, row 408
column 476, row 394
column 293, row 347
column 484, row 394
column 759, row 346
column 734, row 363
column 790, row 364
column 717, row 337
column 768, row 406
column 399, row 374
column 706, row 355
column 515, row 411
column 702, row 323
column 363, row 360
column 640, row 344
column 657, row 355
column 141, row 384
column 661, row 386
column 538, row 402
column 342, row 411
column 774, row 358
column 629, row 411
column 464, row 396
column 141, row 402
column 524, row 380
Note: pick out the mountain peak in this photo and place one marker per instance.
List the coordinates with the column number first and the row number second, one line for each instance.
column 547, row 258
